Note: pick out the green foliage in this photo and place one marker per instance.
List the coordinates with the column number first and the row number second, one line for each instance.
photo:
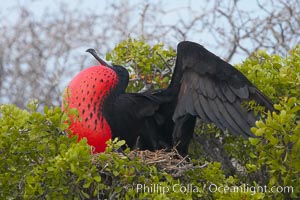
column 39, row 161
column 146, row 64
column 274, row 75
column 277, row 147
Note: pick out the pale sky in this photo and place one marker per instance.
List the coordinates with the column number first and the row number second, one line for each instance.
column 8, row 10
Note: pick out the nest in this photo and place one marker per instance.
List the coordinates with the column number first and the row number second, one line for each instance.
column 165, row 160
column 169, row 161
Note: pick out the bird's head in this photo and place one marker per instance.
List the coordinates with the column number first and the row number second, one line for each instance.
column 100, row 60
column 122, row 73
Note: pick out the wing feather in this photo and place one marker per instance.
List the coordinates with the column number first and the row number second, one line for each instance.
column 214, row 106
column 190, row 108
column 214, row 90
column 199, row 109
column 210, row 88
column 232, row 127
column 227, row 92
column 201, row 85
column 207, row 109
column 240, row 119
column 242, row 92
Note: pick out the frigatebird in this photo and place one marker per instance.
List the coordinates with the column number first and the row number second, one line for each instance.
column 202, row 86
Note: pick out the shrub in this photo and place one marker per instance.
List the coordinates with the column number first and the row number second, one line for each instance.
column 39, row 161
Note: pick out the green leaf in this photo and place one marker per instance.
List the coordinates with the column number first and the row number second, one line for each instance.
column 254, row 141
column 97, row 178
column 86, row 195
column 86, row 185
column 252, row 155
column 120, row 143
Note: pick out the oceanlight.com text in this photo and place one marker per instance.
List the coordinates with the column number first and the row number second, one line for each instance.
column 212, row 188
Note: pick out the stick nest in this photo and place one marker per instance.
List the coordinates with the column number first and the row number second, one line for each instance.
column 169, row 161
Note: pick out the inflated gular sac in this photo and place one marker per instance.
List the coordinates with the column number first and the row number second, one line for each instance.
column 86, row 92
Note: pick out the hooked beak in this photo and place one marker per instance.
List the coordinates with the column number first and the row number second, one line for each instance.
column 100, row 60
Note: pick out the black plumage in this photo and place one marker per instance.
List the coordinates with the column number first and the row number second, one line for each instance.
column 202, row 85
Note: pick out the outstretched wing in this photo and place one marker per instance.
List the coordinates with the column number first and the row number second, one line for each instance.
column 214, row 90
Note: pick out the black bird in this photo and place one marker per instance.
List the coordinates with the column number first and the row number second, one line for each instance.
column 202, row 85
